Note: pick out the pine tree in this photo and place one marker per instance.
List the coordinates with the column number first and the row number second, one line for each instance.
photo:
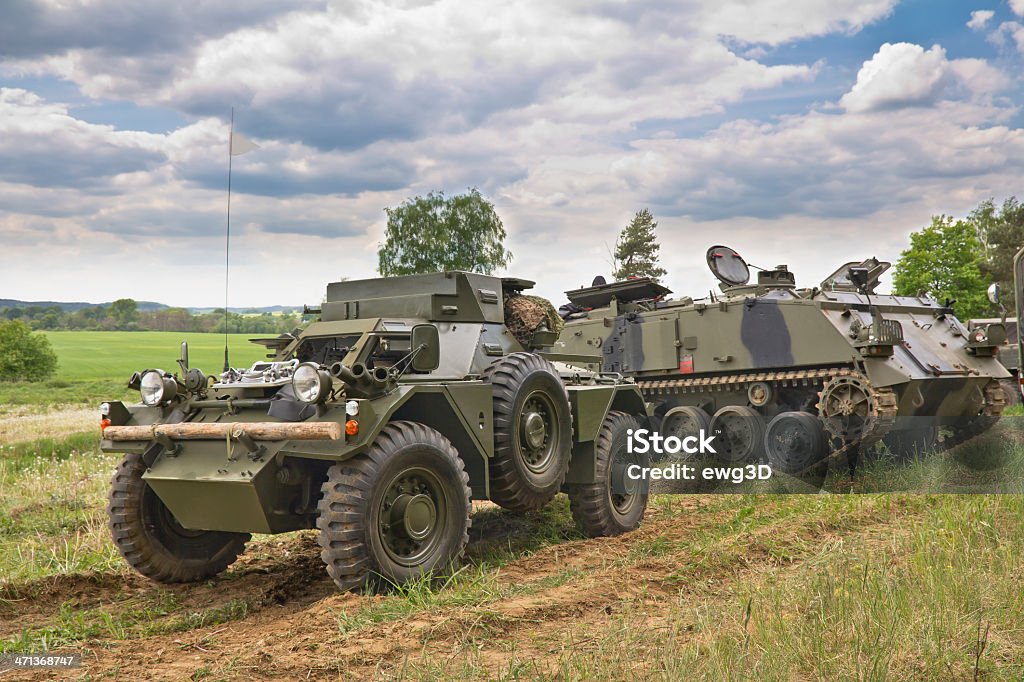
column 636, row 249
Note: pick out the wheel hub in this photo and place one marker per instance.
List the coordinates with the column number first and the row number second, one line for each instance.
column 794, row 441
column 414, row 516
column 534, row 429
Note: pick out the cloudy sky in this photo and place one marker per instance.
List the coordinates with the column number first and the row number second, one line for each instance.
column 805, row 132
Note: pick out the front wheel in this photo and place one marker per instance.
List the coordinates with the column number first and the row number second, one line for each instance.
column 396, row 513
column 615, row 502
column 153, row 542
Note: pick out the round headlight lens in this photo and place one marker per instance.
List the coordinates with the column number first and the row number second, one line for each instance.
column 152, row 388
column 310, row 384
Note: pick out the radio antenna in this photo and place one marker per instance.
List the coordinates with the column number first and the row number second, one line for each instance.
column 227, row 241
column 237, row 145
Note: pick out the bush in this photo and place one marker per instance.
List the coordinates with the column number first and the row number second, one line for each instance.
column 24, row 354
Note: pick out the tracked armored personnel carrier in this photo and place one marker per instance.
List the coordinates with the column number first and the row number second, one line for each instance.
column 790, row 373
column 378, row 425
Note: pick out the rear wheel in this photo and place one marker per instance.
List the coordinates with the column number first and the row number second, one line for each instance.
column 532, row 431
column 615, row 502
column 153, row 542
column 398, row 512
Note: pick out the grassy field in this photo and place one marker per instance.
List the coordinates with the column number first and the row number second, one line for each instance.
column 872, row 587
column 93, row 366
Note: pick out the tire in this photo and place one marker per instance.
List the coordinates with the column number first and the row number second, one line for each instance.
column 526, row 474
column 596, row 507
column 153, row 542
column 373, row 532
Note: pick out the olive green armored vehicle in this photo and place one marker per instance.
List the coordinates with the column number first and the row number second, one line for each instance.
column 378, row 424
column 793, row 374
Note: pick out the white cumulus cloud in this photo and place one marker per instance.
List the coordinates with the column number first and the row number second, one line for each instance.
column 778, row 21
column 980, row 18
column 1018, row 7
column 904, row 74
column 1009, row 31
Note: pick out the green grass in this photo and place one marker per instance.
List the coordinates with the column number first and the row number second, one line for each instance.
column 935, row 596
column 775, row 587
column 95, row 366
column 52, row 517
column 115, row 355
column 152, row 614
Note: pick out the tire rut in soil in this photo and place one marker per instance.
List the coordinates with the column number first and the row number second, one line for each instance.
column 296, row 579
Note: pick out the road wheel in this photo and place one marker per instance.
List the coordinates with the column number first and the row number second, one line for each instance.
column 397, row 512
column 794, row 441
column 684, row 422
column 532, row 431
column 153, row 542
column 739, row 434
column 614, row 503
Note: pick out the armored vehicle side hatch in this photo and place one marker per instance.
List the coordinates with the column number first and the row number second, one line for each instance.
column 274, row 344
column 860, row 276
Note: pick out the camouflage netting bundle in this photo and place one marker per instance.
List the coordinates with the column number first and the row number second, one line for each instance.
column 524, row 315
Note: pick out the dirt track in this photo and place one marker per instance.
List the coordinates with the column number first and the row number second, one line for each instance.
column 560, row 598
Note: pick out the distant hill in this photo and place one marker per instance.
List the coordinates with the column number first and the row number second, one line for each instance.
column 264, row 309
column 71, row 306
column 144, row 306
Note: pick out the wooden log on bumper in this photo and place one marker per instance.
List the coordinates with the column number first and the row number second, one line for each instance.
column 211, row 431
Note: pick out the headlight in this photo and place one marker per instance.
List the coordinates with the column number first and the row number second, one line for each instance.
column 310, row 383
column 156, row 388
column 979, row 336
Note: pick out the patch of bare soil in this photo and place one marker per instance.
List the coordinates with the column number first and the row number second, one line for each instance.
column 285, row 571
column 539, row 604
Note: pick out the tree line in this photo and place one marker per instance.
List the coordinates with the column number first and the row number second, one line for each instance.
column 124, row 315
